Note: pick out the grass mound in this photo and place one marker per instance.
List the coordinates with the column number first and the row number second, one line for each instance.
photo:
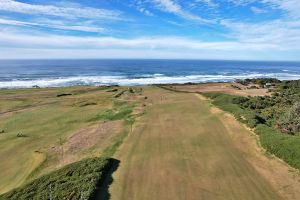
column 75, row 181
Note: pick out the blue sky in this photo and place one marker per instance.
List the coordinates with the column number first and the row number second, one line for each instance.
column 190, row 29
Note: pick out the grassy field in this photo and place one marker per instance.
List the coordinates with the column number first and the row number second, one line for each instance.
column 180, row 149
column 173, row 145
column 45, row 129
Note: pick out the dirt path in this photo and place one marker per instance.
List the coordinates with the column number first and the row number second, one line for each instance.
column 181, row 150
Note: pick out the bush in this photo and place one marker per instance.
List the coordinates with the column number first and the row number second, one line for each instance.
column 226, row 103
column 75, row 181
column 283, row 146
column 239, row 100
column 252, row 120
column 290, row 121
column 263, row 81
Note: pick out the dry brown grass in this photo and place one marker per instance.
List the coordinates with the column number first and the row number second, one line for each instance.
column 223, row 88
column 181, row 150
column 284, row 179
column 86, row 140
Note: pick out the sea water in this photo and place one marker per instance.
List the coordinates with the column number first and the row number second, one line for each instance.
column 57, row 73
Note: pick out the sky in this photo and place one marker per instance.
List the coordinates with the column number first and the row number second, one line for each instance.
column 159, row 29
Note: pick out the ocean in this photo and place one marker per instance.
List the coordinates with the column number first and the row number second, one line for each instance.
column 57, row 73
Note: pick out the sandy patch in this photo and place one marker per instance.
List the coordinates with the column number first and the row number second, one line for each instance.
column 228, row 88
column 86, row 139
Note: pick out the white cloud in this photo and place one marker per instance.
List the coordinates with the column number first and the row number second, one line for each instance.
column 242, row 2
column 145, row 11
column 13, row 39
column 291, row 7
column 29, row 53
column 174, row 8
column 208, row 3
column 242, row 38
column 59, row 11
column 257, row 10
column 20, row 45
column 281, row 33
column 54, row 24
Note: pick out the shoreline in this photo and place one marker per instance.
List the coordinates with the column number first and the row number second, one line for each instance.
column 136, row 80
column 134, row 85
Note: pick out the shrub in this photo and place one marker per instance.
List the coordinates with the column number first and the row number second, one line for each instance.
column 290, row 121
column 226, row 103
column 283, row 146
column 239, row 100
column 75, row 181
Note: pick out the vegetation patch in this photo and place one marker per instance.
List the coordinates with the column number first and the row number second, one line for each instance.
column 116, row 113
column 47, row 121
column 119, row 94
column 283, row 146
column 112, row 90
column 226, row 103
column 78, row 180
column 63, row 94
column 276, row 118
column 118, row 140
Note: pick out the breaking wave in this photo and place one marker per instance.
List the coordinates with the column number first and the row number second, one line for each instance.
column 144, row 79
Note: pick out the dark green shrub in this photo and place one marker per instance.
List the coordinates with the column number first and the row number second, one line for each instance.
column 75, row 181
column 283, row 146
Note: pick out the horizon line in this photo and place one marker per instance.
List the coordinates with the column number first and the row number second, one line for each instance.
column 170, row 59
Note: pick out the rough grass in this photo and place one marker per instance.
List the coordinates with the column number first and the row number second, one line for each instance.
column 284, row 146
column 225, row 102
column 115, row 113
column 46, row 120
column 75, row 181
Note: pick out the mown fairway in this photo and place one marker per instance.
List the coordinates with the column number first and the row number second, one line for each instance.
column 181, row 150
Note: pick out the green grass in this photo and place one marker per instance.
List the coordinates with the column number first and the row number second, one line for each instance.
column 75, row 181
column 47, row 120
column 115, row 113
column 283, row 146
column 225, row 102
column 110, row 150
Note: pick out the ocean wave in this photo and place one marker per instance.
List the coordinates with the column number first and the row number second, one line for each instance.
column 145, row 79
